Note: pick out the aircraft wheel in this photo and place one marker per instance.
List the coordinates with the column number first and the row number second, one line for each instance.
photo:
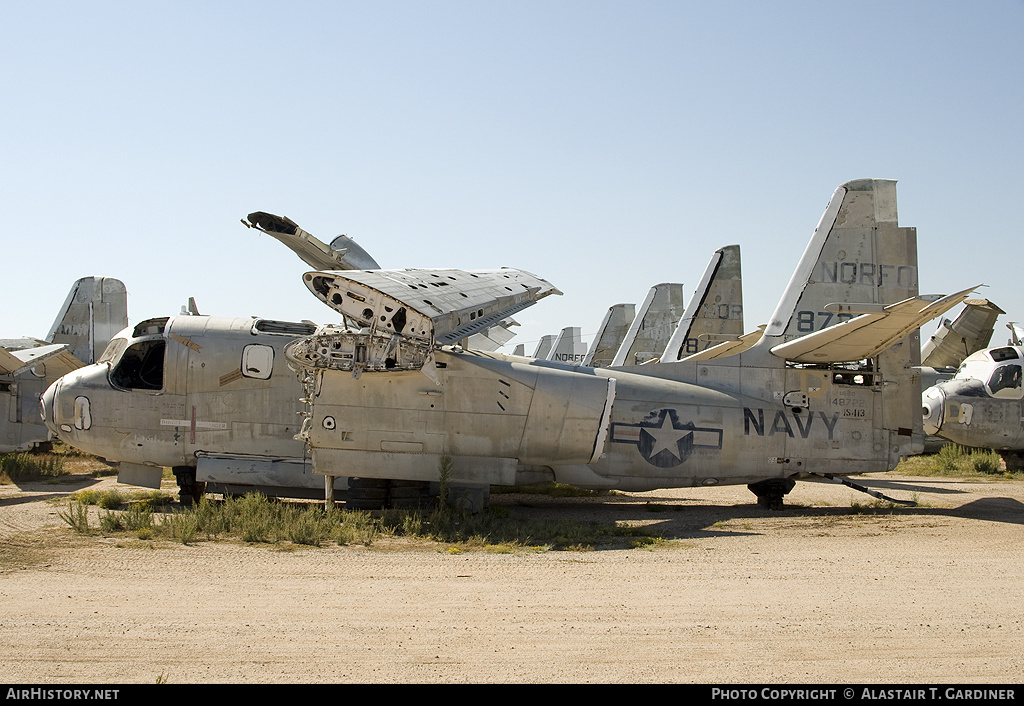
column 189, row 491
column 1014, row 461
column 366, row 494
column 409, row 494
column 771, row 492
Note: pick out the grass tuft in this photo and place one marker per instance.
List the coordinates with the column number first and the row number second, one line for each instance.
column 20, row 467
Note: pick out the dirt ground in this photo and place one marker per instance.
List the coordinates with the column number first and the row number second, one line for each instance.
column 818, row 593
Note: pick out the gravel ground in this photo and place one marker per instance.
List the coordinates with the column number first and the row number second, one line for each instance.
column 822, row 592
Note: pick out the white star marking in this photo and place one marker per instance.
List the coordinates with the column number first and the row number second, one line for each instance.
column 666, row 437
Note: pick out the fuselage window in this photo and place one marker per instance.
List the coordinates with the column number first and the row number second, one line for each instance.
column 257, row 361
column 141, row 366
column 1005, row 381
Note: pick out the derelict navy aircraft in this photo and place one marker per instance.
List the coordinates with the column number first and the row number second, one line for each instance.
column 982, row 405
column 831, row 387
column 213, row 397
column 95, row 309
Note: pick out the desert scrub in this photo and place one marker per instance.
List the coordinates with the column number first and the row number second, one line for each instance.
column 257, row 519
column 28, row 466
column 76, row 516
column 957, row 461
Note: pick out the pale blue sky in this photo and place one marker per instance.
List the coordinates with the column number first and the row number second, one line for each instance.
column 605, row 146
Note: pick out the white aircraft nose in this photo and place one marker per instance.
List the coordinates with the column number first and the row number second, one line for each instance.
column 933, row 402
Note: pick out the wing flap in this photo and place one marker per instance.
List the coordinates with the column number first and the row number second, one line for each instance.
column 866, row 335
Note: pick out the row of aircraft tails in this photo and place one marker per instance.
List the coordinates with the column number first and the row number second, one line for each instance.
column 666, row 396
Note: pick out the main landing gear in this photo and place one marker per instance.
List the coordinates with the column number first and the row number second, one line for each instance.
column 771, row 492
column 189, row 490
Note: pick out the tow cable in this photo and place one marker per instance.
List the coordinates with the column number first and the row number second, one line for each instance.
column 861, row 488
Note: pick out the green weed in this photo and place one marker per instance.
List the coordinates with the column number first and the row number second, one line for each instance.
column 28, row 466
column 77, row 517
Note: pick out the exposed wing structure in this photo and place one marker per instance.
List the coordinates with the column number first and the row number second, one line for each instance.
column 402, row 314
column 440, row 305
column 867, row 334
column 970, row 332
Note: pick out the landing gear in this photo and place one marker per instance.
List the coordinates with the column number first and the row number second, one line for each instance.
column 1014, row 461
column 379, row 493
column 771, row 492
column 189, row 490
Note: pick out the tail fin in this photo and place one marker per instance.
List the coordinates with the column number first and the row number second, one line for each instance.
column 653, row 326
column 610, row 336
column 853, row 300
column 543, row 347
column 94, row 312
column 715, row 312
column 568, row 347
column 857, row 261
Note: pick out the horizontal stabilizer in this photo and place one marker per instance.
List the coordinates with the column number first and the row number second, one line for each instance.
column 866, row 335
column 54, row 355
column 727, row 348
column 342, row 254
column 443, row 306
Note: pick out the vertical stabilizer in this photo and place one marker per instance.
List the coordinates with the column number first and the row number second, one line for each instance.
column 715, row 312
column 653, row 326
column 544, row 347
column 96, row 309
column 569, row 346
column 858, row 261
column 610, row 336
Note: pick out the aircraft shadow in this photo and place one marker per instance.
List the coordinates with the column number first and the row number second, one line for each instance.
column 675, row 518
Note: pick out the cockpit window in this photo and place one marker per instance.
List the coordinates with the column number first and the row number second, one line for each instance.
column 141, row 367
column 150, row 326
column 1005, row 381
column 113, row 350
column 1001, row 354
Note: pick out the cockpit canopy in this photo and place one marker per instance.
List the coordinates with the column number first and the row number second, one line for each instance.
column 1000, row 369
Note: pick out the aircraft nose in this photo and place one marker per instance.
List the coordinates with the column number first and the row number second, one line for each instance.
column 932, row 404
column 46, row 407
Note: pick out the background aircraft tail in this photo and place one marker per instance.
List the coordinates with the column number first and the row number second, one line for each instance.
column 656, row 320
column 715, row 312
column 610, row 335
column 95, row 310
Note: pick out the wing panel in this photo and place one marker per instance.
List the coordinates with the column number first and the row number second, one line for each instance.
column 440, row 305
